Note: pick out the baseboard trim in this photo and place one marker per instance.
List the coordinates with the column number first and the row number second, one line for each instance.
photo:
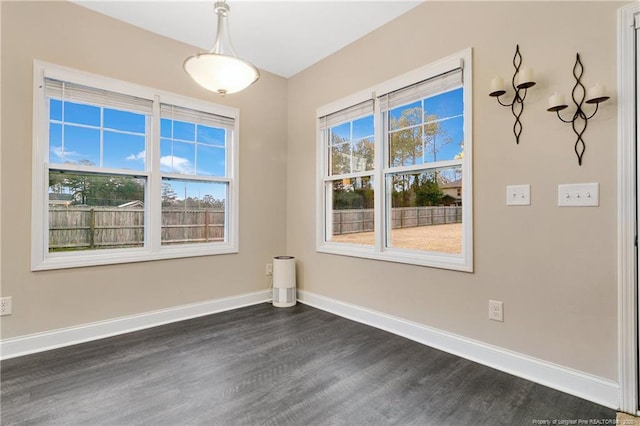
column 38, row 342
column 583, row 385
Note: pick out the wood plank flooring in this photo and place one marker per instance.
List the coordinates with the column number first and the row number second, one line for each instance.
column 262, row 365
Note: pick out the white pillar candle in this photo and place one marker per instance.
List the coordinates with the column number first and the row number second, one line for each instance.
column 597, row 91
column 497, row 84
column 525, row 75
column 556, row 100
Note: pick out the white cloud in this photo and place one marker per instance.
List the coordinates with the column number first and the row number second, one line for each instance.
column 139, row 156
column 57, row 151
column 171, row 163
column 64, row 154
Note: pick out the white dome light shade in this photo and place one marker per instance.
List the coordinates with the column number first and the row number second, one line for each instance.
column 218, row 71
column 221, row 73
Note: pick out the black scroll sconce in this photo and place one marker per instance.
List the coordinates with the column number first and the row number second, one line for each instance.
column 522, row 80
column 580, row 96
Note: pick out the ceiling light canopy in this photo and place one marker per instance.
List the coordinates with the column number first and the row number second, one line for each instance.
column 220, row 70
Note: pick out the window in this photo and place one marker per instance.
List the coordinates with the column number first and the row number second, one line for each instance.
column 124, row 173
column 394, row 167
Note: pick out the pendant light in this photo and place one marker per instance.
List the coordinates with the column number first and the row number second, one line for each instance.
column 221, row 70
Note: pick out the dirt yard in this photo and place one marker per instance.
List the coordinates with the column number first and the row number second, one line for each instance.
column 440, row 238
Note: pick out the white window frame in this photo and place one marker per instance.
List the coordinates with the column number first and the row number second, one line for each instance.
column 152, row 249
column 459, row 262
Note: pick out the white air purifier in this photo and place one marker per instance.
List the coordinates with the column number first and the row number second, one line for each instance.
column 284, row 281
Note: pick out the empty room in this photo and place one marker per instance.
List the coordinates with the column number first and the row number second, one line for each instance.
column 319, row 212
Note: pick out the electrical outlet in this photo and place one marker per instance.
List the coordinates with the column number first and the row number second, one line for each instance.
column 5, row 306
column 495, row 310
column 269, row 269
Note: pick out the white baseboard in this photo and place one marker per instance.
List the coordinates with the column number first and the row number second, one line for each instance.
column 38, row 342
column 596, row 389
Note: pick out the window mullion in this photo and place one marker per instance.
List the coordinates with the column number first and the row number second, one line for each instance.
column 328, row 200
column 153, row 222
column 380, row 126
column 101, row 160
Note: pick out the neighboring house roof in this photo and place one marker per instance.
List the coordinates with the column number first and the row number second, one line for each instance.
column 454, row 184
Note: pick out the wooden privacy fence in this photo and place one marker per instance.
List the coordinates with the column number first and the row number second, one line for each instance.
column 361, row 220
column 82, row 228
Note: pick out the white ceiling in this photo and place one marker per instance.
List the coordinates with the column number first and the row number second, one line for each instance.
column 282, row 37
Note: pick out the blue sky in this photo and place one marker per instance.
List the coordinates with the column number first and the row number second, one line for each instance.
column 116, row 139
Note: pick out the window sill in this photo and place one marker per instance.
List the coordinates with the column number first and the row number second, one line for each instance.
column 433, row 260
column 118, row 256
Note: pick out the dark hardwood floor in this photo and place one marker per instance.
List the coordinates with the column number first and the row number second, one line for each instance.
column 262, row 365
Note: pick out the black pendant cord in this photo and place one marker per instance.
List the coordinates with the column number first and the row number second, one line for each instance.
column 580, row 118
column 520, row 93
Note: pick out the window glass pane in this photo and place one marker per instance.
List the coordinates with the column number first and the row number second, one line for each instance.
column 125, row 121
column 166, row 156
column 444, row 126
column 363, row 128
column 362, row 155
column 182, row 160
column 352, row 211
column 211, row 161
column 95, row 211
column 405, row 116
column 81, row 145
column 351, row 146
column 206, row 156
column 184, row 131
column 340, row 158
column 444, row 140
column 165, row 128
column 81, row 114
column 56, row 154
column 123, row 151
column 445, row 105
column 55, row 109
column 212, row 135
column 193, row 212
column 426, row 210
column 340, row 133
column 406, row 147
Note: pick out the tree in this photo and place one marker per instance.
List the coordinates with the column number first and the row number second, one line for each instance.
column 340, row 155
column 168, row 195
column 405, row 145
column 363, row 154
column 412, row 140
column 96, row 190
column 435, row 137
column 427, row 190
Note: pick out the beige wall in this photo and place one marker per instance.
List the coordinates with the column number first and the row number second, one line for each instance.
column 554, row 269
column 70, row 35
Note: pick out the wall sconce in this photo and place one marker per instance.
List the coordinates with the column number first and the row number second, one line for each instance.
column 595, row 95
column 522, row 79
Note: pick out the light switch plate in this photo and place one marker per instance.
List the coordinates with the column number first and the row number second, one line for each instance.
column 579, row 195
column 518, row 195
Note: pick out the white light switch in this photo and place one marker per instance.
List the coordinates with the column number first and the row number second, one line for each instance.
column 519, row 195
column 579, row 195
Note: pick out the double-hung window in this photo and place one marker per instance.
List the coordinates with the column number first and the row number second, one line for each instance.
column 394, row 167
column 125, row 173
